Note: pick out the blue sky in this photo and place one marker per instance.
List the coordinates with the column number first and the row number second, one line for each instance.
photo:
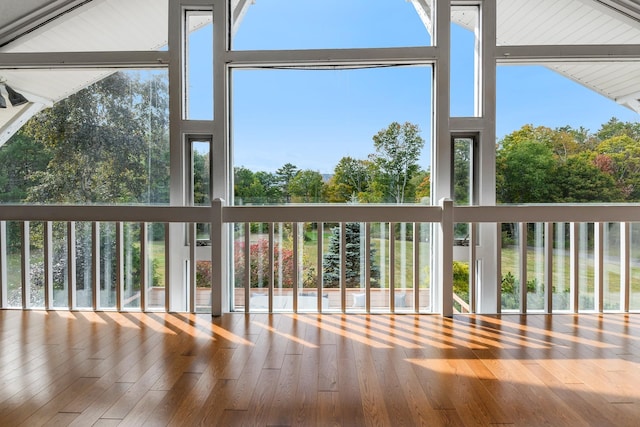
column 312, row 118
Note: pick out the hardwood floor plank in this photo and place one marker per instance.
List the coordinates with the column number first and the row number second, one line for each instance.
column 286, row 391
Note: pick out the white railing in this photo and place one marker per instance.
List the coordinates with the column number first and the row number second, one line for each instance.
column 586, row 248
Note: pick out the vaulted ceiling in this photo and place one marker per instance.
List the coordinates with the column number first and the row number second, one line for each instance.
column 89, row 25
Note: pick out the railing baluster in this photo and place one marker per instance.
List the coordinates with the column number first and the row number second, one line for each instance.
column 192, row 267
column 296, row 264
column 625, row 265
column 548, row 267
column 247, row 266
column 270, row 265
column 472, row 267
column 26, row 263
column 499, row 267
column 120, row 265
column 367, row 267
column 392, row 266
column 3, row 264
column 416, row 267
column 522, row 227
column 48, row 264
column 598, row 266
column 95, row 261
column 71, row 264
column 319, row 259
column 343, row 270
column 574, row 265
column 167, row 269
column 144, row 266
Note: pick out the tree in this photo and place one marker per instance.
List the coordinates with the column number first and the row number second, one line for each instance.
column 398, row 149
column 422, row 183
column 525, row 173
column 353, row 263
column 285, row 174
column 615, row 127
column 306, row 186
column 581, row 180
column 622, row 157
column 101, row 141
column 20, row 158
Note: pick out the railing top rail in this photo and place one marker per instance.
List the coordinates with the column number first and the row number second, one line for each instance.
column 333, row 213
column 548, row 213
column 324, row 213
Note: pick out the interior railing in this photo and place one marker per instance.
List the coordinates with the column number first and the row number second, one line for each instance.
column 549, row 258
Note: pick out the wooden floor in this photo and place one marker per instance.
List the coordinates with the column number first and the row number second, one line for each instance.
column 104, row 369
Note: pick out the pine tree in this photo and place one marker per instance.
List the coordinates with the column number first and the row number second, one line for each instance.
column 331, row 260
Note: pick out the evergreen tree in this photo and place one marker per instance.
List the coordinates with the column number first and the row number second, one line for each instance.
column 331, row 260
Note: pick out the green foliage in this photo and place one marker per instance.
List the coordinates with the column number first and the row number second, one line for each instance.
column 332, row 264
column 461, row 279
column 108, row 143
column 398, row 149
column 306, row 187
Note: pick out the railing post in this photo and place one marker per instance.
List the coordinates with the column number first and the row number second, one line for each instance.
column 445, row 268
column 218, row 293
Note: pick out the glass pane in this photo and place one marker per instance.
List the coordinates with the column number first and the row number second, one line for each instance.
column 156, row 252
column 535, row 267
column 355, row 236
column 510, row 263
column 107, row 142
column 203, row 286
column 239, row 270
column 60, row 265
column 380, row 242
column 561, row 268
column 84, row 267
column 403, row 289
column 259, row 267
column 142, row 26
column 201, row 185
column 283, row 267
column 355, row 122
column 634, row 291
column 611, row 266
column 108, row 266
column 586, row 278
column 36, row 264
column 14, row 264
column 331, row 266
column 425, row 268
column 199, row 66
column 464, row 28
column 131, row 246
column 308, row 259
column 312, row 24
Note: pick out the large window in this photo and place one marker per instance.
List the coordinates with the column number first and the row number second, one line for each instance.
column 308, row 136
column 329, row 24
column 106, row 143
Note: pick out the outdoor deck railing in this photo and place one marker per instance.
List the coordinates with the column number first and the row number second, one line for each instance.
column 569, row 258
